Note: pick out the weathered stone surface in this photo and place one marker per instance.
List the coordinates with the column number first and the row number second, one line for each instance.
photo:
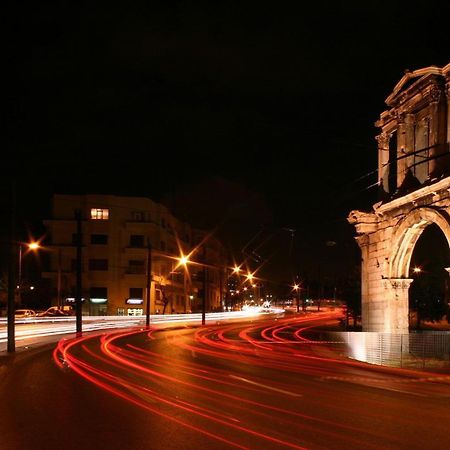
column 414, row 181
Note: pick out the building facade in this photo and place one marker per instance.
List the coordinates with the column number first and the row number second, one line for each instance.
column 120, row 237
column 414, row 184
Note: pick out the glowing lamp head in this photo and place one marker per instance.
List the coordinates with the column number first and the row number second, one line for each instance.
column 184, row 260
column 33, row 245
column 417, row 270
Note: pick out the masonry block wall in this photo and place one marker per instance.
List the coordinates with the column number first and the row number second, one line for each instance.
column 414, row 186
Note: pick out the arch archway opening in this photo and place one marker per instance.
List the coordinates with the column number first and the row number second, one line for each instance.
column 429, row 293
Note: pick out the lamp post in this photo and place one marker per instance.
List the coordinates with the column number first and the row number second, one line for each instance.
column 59, row 279
column 183, row 261
column 11, row 340
column 30, row 246
column 149, row 283
column 296, row 288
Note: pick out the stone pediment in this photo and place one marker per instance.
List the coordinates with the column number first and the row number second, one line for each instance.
column 412, row 78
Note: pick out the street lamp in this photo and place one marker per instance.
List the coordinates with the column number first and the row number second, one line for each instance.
column 12, row 281
column 33, row 246
column 149, row 284
column 183, row 260
column 296, row 288
column 236, row 270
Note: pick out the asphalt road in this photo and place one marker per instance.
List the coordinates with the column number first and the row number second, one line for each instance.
column 260, row 384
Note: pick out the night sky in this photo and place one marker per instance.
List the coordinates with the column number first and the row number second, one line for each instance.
column 246, row 117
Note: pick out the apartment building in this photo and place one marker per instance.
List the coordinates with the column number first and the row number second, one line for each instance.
column 120, row 236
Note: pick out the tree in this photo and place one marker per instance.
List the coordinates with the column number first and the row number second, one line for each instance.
column 351, row 294
column 427, row 295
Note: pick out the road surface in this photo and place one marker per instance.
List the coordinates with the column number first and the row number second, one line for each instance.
column 260, row 384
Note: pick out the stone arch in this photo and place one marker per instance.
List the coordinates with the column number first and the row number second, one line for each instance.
column 407, row 233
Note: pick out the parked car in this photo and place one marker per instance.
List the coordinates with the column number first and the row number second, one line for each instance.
column 24, row 313
column 56, row 311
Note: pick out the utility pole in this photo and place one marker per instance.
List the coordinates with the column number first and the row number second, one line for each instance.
column 59, row 279
column 79, row 290
column 19, row 278
column 205, row 275
column 149, row 283
column 11, row 345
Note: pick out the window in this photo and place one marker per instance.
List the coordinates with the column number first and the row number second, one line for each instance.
column 136, row 293
column 135, row 311
column 98, row 264
column 99, row 214
column 392, row 168
column 136, row 266
column 99, row 239
column 136, row 240
column 137, row 216
column 421, row 149
column 120, row 311
column 98, row 293
column 74, row 266
column 75, row 239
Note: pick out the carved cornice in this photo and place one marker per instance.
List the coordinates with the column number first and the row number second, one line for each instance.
column 397, row 283
column 383, row 140
column 364, row 222
column 414, row 197
column 435, row 93
column 362, row 240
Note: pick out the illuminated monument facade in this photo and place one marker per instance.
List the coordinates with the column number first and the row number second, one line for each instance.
column 414, row 185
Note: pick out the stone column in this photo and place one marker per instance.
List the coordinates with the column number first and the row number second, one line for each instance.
column 397, row 305
column 447, row 93
column 383, row 161
column 409, row 139
column 435, row 119
column 401, row 149
column 363, row 242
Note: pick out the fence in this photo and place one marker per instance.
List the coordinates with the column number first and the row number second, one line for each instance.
column 415, row 350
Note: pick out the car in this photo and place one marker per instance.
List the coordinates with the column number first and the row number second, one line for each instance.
column 24, row 313
column 57, row 311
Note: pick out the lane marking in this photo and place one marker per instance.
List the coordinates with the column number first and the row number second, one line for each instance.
column 293, row 394
column 370, row 384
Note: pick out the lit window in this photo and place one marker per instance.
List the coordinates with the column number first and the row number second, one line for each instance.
column 99, row 214
column 135, row 311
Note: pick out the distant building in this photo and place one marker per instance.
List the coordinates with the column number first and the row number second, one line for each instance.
column 116, row 232
column 211, row 250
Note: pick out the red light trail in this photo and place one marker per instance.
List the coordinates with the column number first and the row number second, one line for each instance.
column 181, row 385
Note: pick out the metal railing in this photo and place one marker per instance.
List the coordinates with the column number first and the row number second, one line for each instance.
column 414, row 350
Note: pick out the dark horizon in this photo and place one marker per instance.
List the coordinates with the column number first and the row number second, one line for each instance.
column 230, row 115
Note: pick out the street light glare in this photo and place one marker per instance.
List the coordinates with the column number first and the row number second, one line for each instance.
column 417, row 270
column 236, row 269
column 184, row 260
column 33, row 245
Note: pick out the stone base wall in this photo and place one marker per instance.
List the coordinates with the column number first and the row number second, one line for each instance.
column 387, row 237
